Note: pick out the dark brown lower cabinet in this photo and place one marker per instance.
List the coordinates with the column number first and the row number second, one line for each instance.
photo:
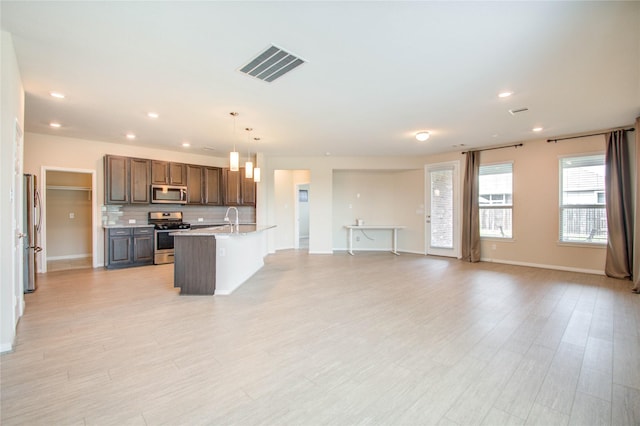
column 195, row 264
column 127, row 247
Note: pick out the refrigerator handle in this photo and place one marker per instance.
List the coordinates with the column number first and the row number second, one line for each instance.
column 39, row 205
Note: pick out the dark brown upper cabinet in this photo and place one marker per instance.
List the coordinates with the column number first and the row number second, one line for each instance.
column 168, row 173
column 239, row 190
column 212, row 178
column 127, row 180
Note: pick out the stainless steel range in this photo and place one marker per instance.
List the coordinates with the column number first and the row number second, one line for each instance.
column 165, row 223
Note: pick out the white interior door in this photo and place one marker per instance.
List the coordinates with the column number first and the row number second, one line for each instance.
column 442, row 201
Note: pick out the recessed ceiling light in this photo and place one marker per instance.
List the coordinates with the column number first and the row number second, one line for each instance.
column 152, row 115
column 186, row 144
column 504, row 94
column 56, row 125
column 537, row 129
column 131, row 136
column 57, row 95
column 422, row 136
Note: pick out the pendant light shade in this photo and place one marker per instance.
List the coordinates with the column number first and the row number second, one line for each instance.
column 248, row 169
column 256, row 174
column 234, row 156
column 234, row 161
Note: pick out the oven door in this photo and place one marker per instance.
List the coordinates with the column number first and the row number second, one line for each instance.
column 163, row 252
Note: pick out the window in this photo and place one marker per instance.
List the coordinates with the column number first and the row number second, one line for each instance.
column 496, row 200
column 583, row 218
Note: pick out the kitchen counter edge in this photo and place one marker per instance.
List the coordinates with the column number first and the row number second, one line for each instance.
column 221, row 231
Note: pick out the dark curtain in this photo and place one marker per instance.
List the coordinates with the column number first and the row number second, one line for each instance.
column 470, row 209
column 619, row 263
column 636, row 242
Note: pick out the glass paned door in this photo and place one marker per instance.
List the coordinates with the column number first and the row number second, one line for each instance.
column 442, row 210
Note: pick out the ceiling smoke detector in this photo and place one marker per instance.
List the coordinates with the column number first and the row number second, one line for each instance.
column 272, row 64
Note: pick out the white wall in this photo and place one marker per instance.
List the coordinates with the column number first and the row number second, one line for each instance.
column 58, row 151
column 12, row 109
column 379, row 198
column 321, row 182
column 536, row 207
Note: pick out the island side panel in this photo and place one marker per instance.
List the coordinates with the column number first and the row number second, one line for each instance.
column 195, row 264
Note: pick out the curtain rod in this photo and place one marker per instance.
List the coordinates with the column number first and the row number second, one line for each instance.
column 497, row 147
column 630, row 129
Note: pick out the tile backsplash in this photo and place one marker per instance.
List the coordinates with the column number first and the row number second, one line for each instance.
column 121, row 215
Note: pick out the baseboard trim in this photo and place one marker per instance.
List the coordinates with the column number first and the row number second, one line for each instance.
column 69, row 256
column 412, row 252
column 320, row 252
column 544, row 266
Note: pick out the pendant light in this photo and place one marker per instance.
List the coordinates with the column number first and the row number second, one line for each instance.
column 248, row 165
column 234, row 156
column 256, row 170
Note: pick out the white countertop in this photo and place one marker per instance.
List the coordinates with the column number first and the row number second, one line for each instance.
column 223, row 231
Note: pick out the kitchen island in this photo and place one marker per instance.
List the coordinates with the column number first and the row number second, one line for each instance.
column 219, row 259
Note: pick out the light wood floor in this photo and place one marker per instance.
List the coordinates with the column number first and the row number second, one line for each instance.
column 64, row 264
column 321, row 339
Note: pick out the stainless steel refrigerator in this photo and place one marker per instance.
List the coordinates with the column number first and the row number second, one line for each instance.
column 31, row 224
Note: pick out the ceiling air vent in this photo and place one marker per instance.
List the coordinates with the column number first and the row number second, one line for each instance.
column 272, row 64
column 518, row 110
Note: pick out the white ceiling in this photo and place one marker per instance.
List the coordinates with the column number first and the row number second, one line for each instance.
column 377, row 72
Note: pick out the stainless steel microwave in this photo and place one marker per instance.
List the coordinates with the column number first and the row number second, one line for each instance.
column 168, row 194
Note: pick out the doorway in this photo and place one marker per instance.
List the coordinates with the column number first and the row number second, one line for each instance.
column 287, row 208
column 302, row 217
column 69, row 236
column 442, row 201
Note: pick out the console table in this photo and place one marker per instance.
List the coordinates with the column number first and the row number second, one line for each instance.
column 392, row 228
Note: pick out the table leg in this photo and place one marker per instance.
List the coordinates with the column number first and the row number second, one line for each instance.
column 395, row 242
column 350, row 241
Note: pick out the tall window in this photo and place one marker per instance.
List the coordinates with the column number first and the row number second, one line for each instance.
column 583, row 218
column 496, row 200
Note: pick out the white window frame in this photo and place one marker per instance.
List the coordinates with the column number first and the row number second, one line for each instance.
column 498, row 206
column 561, row 207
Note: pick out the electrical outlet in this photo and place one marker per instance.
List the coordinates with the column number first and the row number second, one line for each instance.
column 132, row 221
column 72, row 215
column 357, row 238
column 200, row 219
column 493, row 246
column 222, row 252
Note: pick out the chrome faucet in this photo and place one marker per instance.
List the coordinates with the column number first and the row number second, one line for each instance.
column 237, row 223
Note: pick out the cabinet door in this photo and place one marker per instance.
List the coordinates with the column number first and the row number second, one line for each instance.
column 159, row 172
column 143, row 249
column 248, row 189
column 116, row 180
column 232, row 187
column 177, row 174
column 212, row 177
column 194, row 184
column 120, row 250
column 140, row 181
